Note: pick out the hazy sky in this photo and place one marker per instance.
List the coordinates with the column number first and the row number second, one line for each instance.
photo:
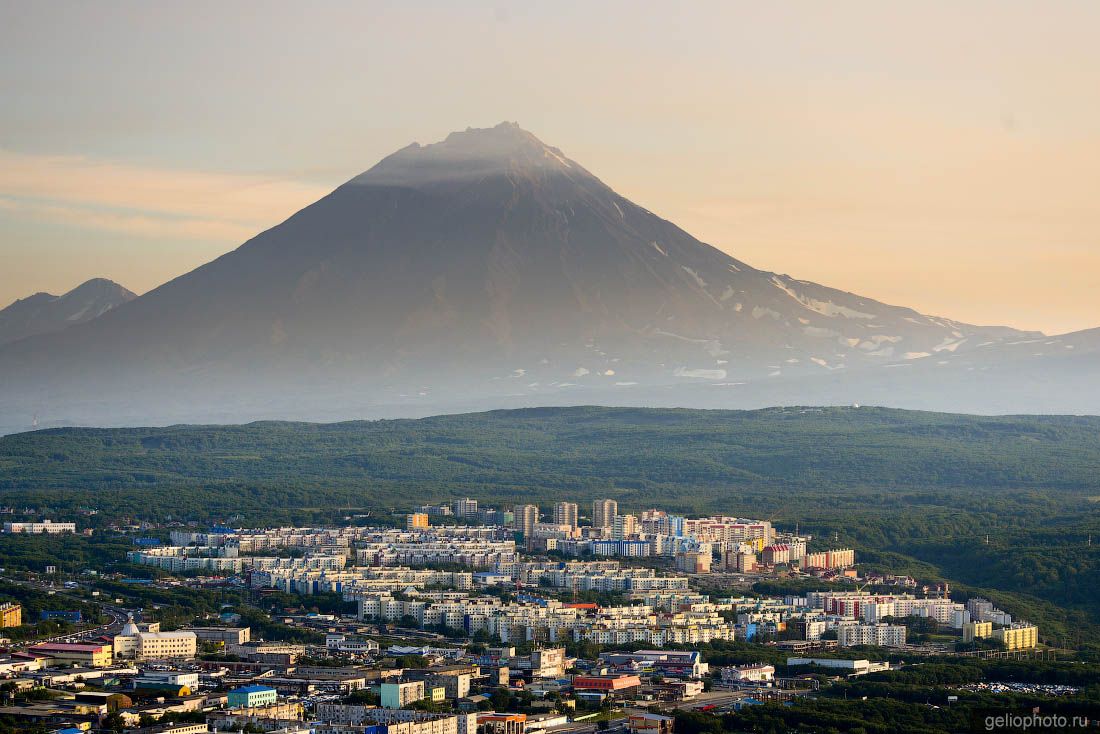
column 944, row 156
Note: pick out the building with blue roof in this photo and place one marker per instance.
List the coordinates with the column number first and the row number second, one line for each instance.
column 247, row 697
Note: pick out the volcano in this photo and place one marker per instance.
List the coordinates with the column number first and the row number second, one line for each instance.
column 485, row 270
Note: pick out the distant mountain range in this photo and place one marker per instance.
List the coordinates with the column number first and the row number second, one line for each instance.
column 489, row 270
column 44, row 313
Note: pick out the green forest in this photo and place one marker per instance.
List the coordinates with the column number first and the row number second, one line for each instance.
column 999, row 506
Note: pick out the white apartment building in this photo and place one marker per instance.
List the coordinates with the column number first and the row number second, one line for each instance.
column 40, row 528
column 882, row 635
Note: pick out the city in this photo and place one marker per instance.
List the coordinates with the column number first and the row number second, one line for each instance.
column 461, row 618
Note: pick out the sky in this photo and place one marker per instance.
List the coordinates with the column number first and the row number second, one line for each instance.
column 938, row 155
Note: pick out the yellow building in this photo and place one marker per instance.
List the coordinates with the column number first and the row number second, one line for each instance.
column 977, row 631
column 11, row 615
column 417, row 521
column 1018, row 636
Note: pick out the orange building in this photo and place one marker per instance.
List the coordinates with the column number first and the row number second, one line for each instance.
column 494, row 723
column 11, row 615
column 606, row 683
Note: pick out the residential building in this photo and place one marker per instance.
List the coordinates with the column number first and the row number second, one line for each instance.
column 624, row 527
column 977, row 631
column 464, row 508
column 565, row 513
column 693, row 562
column 628, row 548
column 417, row 521
column 11, row 615
column 959, row 618
column 730, row 530
column 351, row 719
column 400, row 695
column 40, row 528
column 882, row 635
column 604, row 512
column 981, row 610
column 774, row 555
column 828, row 560
column 524, row 518
column 548, row 662
column 1019, row 636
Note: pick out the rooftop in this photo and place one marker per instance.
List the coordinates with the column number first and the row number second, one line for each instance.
column 252, row 689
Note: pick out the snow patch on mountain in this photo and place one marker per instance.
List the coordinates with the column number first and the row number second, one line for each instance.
column 706, row 374
column 825, row 308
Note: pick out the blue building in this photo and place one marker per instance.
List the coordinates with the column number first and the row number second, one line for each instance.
column 628, row 548
column 251, row 696
column 65, row 616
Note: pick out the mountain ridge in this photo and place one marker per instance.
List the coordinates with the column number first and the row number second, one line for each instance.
column 43, row 313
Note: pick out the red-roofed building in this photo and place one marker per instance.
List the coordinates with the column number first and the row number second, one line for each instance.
column 87, row 655
column 606, row 683
column 773, row 555
column 491, row 722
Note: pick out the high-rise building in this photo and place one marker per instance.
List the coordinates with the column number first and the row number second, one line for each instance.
column 11, row 615
column 565, row 513
column 417, row 521
column 624, row 527
column 981, row 610
column 604, row 512
column 524, row 518
column 464, row 507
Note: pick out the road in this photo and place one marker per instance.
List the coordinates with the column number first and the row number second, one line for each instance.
column 117, row 614
column 118, row 619
column 717, row 699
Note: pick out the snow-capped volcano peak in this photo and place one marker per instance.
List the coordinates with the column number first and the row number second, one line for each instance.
column 469, row 154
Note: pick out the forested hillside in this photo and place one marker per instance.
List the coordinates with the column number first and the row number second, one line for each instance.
column 689, row 459
column 995, row 504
